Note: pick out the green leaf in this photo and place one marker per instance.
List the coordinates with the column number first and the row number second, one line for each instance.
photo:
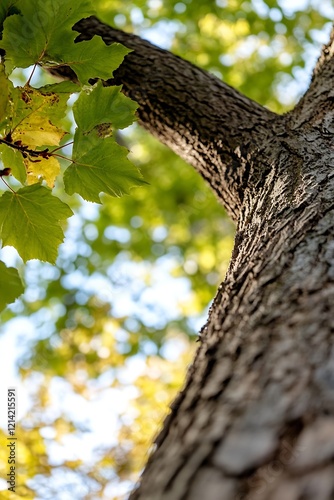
column 104, row 105
column 11, row 286
column 30, row 222
column 93, row 58
column 6, row 87
column 60, row 88
column 13, row 159
column 100, row 167
column 36, row 32
column 7, row 8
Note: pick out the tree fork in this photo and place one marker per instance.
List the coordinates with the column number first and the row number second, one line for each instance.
column 255, row 419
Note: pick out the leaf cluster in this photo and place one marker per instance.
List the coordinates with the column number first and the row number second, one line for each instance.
column 33, row 129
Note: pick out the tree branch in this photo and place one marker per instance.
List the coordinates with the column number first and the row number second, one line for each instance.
column 318, row 100
column 207, row 123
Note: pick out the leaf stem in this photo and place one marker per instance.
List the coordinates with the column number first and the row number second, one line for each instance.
column 61, row 156
column 3, row 180
column 27, row 84
column 60, row 147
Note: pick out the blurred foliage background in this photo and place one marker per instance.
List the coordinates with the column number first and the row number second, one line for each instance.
column 98, row 345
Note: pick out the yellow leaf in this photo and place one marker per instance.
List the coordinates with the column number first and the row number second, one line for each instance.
column 45, row 168
column 36, row 130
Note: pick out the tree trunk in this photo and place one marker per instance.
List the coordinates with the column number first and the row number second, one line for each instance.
column 255, row 419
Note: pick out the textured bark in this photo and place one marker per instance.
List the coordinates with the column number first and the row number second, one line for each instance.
column 255, row 419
